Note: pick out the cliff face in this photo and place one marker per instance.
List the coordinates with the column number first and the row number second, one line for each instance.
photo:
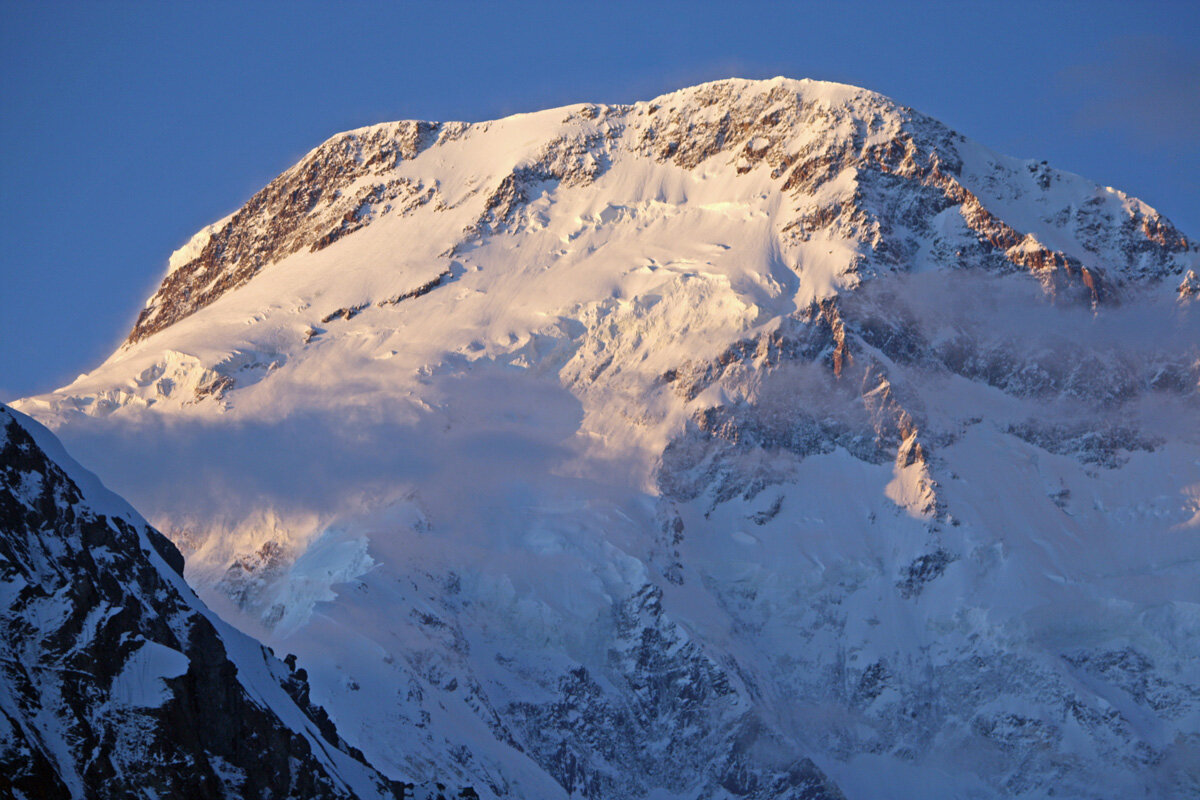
column 769, row 431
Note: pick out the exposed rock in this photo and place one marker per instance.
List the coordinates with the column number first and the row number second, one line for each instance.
column 692, row 440
column 680, row 698
column 1189, row 287
column 1107, row 446
column 289, row 214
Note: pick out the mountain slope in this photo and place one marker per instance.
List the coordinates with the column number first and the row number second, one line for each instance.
column 116, row 681
column 767, row 430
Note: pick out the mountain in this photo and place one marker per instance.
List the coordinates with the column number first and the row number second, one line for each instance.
column 116, row 681
column 763, row 440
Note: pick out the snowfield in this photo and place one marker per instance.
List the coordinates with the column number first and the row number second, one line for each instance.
column 763, row 440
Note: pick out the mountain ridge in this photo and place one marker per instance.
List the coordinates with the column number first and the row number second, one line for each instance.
column 116, row 680
column 346, row 158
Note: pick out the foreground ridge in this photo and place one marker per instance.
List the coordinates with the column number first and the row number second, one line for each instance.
column 117, row 681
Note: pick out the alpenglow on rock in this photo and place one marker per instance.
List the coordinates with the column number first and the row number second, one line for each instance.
column 762, row 440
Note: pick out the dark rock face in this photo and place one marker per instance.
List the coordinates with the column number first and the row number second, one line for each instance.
column 1105, row 446
column 115, row 682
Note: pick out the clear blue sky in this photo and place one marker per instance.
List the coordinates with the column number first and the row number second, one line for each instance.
column 125, row 127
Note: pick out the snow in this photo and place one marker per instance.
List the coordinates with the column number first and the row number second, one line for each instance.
column 465, row 484
column 195, row 245
column 141, row 681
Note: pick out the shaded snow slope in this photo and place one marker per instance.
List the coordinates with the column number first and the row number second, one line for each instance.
column 766, row 430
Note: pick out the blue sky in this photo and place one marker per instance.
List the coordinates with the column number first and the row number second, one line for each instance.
column 125, row 127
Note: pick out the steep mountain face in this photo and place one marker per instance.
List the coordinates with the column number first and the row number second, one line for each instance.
column 763, row 440
column 116, row 681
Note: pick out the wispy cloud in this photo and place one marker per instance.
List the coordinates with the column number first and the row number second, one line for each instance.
column 1145, row 87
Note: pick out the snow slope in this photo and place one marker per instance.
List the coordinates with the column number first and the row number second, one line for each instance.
column 765, row 439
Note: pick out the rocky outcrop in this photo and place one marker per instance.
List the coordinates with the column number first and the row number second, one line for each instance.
column 305, row 207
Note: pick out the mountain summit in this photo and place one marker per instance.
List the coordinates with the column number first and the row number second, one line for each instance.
column 766, row 439
column 825, row 162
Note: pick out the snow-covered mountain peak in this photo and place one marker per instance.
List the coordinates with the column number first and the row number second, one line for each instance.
column 767, row 428
column 874, row 184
